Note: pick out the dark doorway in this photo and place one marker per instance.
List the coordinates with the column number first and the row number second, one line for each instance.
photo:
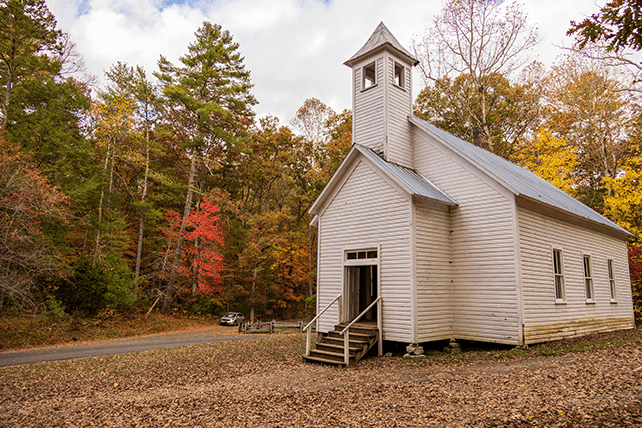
column 362, row 291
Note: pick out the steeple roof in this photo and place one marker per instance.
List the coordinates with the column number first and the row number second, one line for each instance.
column 380, row 38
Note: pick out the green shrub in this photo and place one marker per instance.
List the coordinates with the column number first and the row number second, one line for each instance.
column 93, row 287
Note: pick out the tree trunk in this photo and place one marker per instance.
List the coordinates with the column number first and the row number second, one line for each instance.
column 100, row 205
column 169, row 293
column 141, row 223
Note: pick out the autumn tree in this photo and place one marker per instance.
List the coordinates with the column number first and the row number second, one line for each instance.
column 132, row 84
column 211, row 101
column 585, row 108
column 202, row 262
column 310, row 121
column 512, row 113
column 29, row 207
column 551, row 158
column 114, row 132
column 484, row 41
column 613, row 36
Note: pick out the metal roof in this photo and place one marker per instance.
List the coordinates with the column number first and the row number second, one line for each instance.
column 380, row 37
column 517, row 179
column 412, row 181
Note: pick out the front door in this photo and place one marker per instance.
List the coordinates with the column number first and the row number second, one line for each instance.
column 361, row 291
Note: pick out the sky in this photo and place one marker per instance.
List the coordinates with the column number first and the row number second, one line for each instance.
column 294, row 49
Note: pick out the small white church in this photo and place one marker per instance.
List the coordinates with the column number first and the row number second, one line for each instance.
column 456, row 242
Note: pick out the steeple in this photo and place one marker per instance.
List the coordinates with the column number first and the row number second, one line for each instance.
column 382, row 97
column 381, row 37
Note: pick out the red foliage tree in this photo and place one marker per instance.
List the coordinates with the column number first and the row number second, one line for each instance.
column 28, row 205
column 202, row 259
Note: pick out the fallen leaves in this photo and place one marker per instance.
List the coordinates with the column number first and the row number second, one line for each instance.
column 263, row 382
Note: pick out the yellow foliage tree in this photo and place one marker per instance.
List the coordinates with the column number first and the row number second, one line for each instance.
column 623, row 202
column 552, row 159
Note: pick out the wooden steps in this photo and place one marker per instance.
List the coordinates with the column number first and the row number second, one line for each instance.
column 329, row 350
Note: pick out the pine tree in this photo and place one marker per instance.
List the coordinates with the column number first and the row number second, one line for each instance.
column 211, row 103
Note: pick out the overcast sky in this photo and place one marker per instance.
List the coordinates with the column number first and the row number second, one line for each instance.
column 294, row 49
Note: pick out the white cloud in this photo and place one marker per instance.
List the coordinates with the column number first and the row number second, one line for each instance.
column 295, row 49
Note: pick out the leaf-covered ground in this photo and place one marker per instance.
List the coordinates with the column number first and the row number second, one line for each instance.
column 594, row 381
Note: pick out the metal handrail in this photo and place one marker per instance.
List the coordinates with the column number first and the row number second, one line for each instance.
column 346, row 338
column 308, row 342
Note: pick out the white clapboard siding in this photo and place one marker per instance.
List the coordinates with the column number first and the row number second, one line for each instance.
column 368, row 115
column 399, row 107
column 545, row 320
column 367, row 212
column 433, row 273
column 484, row 273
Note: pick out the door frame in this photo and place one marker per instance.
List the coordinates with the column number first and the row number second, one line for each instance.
column 347, row 263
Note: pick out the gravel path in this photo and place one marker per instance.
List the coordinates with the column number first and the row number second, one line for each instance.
column 120, row 346
column 262, row 382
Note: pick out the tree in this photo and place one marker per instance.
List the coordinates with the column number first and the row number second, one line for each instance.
column 202, row 263
column 623, row 200
column 27, row 33
column 114, row 132
column 310, row 121
column 551, row 158
column 482, row 40
column 210, row 95
column 586, row 109
column 513, row 109
column 133, row 84
column 611, row 35
column 29, row 206
column 619, row 24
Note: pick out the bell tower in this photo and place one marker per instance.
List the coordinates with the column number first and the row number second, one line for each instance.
column 382, row 97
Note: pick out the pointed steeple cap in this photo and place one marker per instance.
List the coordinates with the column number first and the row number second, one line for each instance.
column 380, row 38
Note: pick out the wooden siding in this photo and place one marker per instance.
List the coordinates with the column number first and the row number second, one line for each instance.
column 368, row 126
column 433, row 273
column 367, row 211
column 484, row 271
column 545, row 320
column 399, row 142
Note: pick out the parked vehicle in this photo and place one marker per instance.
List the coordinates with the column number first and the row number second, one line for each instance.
column 232, row 318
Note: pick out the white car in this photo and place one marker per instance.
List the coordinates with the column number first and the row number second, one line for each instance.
column 232, row 318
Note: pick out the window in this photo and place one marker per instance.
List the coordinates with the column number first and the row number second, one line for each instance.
column 369, row 76
column 609, row 264
column 361, row 255
column 399, row 75
column 588, row 279
column 558, row 272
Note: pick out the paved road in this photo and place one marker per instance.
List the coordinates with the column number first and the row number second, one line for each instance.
column 119, row 346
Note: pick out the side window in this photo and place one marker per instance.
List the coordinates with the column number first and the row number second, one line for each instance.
column 609, row 265
column 369, row 76
column 400, row 73
column 558, row 272
column 588, row 279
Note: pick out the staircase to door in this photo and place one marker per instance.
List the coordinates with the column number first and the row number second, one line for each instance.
column 330, row 348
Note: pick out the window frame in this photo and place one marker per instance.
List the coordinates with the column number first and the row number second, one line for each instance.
column 401, row 76
column 611, row 274
column 364, row 79
column 589, row 283
column 558, row 276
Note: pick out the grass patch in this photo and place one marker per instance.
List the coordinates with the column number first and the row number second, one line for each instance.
column 22, row 332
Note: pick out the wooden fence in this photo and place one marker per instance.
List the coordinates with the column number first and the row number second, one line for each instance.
column 271, row 326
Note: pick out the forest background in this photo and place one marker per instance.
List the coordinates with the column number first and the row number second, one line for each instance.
column 163, row 189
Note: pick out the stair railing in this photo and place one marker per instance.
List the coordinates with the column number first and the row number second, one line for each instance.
column 308, row 341
column 346, row 333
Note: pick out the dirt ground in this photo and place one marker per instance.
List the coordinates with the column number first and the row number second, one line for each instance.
column 262, row 382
